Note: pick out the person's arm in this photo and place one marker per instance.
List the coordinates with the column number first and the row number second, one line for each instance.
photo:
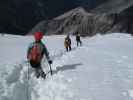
column 45, row 51
column 47, row 55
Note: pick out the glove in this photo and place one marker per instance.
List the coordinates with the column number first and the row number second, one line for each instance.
column 50, row 62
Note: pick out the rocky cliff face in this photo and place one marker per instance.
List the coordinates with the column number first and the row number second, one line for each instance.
column 122, row 11
column 79, row 20
column 119, row 19
column 113, row 6
column 76, row 20
column 19, row 16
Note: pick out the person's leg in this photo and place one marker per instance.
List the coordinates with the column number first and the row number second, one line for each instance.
column 40, row 72
column 67, row 48
column 77, row 43
column 38, row 69
column 70, row 48
column 37, row 72
column 80, row 43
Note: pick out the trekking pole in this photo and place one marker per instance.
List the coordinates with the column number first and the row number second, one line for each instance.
column 28, row 70
column 28, row 81
column 50, row 69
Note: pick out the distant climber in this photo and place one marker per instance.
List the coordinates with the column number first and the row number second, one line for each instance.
column 67, row 43
column 78, row 40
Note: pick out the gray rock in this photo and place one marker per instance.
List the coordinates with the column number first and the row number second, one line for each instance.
column 89, row 23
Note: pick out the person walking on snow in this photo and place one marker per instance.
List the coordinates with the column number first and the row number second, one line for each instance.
column 35, row 54
column 78, row 39
column 67, row 43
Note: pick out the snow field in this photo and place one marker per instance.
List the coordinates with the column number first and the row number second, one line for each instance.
column 102, row 69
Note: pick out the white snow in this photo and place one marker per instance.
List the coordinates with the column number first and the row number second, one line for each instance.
column 130, row 93
column 102, row 69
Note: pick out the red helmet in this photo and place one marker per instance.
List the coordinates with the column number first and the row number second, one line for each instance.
column 38, row 36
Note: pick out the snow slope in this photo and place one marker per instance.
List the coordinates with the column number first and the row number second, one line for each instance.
column 102, row 69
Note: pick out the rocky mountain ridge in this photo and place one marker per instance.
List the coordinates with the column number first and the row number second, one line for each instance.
column 88, row 23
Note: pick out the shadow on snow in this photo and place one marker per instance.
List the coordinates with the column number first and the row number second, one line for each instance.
column 66, row 67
